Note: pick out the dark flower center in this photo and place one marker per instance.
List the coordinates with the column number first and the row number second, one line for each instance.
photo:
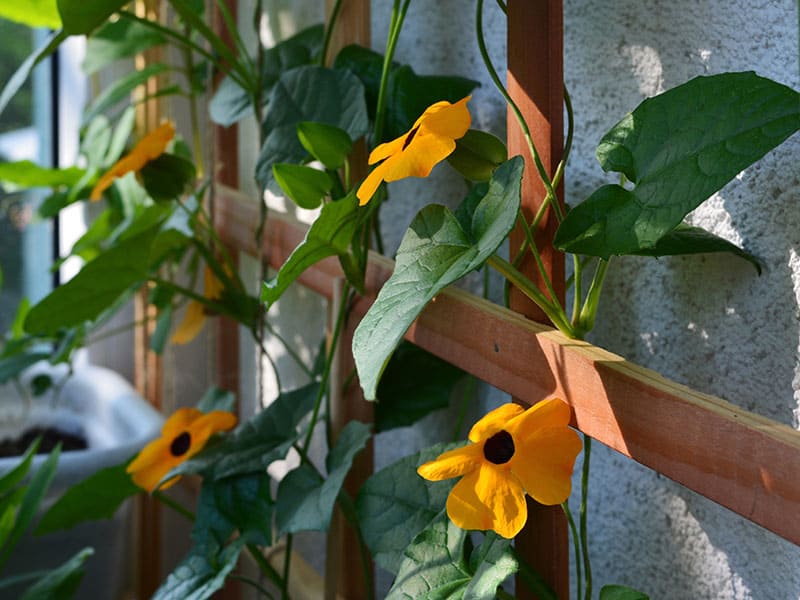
column 180, row 445
column 499, row 448
column 410, row 137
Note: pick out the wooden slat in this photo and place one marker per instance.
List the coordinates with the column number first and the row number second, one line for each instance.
column 535, row 82
column 738, row 459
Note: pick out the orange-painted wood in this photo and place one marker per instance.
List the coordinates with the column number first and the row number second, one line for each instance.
column 738, row 459
column 535, row 82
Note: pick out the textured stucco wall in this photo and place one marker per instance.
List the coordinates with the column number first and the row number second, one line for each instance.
column 708, row 322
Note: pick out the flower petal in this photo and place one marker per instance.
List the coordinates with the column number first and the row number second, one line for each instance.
column 387, row 149
column 423, row 153
column 453, row 463
column 370, row 184
column 207, row 425
column 152, row 463
column 494, row 421
column 179, row 422
column 192, row 324
column 553, row 412
column 465, row 508
column 446, row 120
column 543, row 463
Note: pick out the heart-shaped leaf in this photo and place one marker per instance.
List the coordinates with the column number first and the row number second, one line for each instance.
column 678, row 148
column 328, row 144
column 81, row 17
column 434, row 253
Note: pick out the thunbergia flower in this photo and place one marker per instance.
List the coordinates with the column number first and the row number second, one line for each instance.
column 150, row 147
column 184, row 434
column 195, row 316
column 513, row 452
column 429, row 141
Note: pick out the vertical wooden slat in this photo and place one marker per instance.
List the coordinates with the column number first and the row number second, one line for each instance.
column 535, row 81
column 343, row 571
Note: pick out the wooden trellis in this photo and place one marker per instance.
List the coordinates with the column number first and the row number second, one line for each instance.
column 738, row 459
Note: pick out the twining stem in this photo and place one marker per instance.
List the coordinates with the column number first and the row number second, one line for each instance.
column 395, row 25
column 263, row 564
column 323, row 55
column 587, row 451
column 577, row 296
column 538, row 258
column 590, row 305
column 176, row 506
column 577, row 546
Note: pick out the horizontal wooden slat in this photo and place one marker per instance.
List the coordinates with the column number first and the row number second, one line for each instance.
column 738, row 459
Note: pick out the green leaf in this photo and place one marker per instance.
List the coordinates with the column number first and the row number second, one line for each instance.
column 15, row 476
column 33, row 13
column 217, row 399
column 37, row 488
column 20, row 76
column 621, row 592
column 62, row 582
column 95, row 498
column 12, row 366
column 96, row 286
column 25, row 174
column 477, row 155
column 257, row 443
column 414, row 384
column 330, row 234
column 235, row 503
column 491, row 563
column 81, row 17
column 116, row 40
column 305, row 501
column 121, row 89
column 306, row 186
column 686, row 239
column 167, row 177
column 10, row 503
column 395, row 504
column 434, row 253
column 230, row 104
column 161, row 333
column 95, row 140
column 200, row 574
column 678, row 148
column 309, row 93
column 328, row 144
column 120, row 136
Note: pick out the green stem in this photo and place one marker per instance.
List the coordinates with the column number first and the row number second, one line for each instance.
column 267, row 569
column 590, row 305
column 176, row 506
column 329, row 32
column 554, row 313
column 587, row 566
column 289, row 350
column 550, row 198
column 252, row 583
column 193, row 118
column 395, row 25
column 576, row 544
column 577, row 297
column 538, row 259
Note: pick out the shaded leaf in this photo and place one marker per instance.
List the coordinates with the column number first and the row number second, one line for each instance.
column 309, row 93
column 81, row 17
column 395, row 504
column 62, row 582
column 14, row 477
column 621, row 592
column 217, row 399
column 240, row 504
column 678, row 148
column 306, row 186
column 12, row 366
column 305, row 501
column 167, row 177
column 330, row 234
column 477, row 155
column 414, row 384
column 200, row 574
column 119, row 39
column 95, row 498
column 491, row 563
column 121, row 89
column 434, row 253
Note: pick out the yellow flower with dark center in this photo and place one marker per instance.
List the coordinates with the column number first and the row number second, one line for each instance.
column 513, row 452
column 196, row 312
column 414, row 154
column 149, row 148
column 184, row 434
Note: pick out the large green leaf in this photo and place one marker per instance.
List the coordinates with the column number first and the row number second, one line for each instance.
column 33, row 13
column 434, row 253
column 330, row 234
column 305, row 501
column 309, row 93
column 686, row 239
column 435, row 565
column 240, row 504
column 306, row 186
column 81, row 17
column 254, row 445
column 231, row 103
column 116, row 40
column 395, row 504
column 62, row 582
column 167, row 177
column 26, row 174
column 96, row 286
column 328, row 144
column 20, row 76
column 678, row 148
column 200, row 574
column 15, row 476
column 414, row 384
column 95, row 498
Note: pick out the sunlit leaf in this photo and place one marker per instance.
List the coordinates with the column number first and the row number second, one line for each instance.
column 33, row 13
column 328, row 144
column 306, row 186
column 26, row 174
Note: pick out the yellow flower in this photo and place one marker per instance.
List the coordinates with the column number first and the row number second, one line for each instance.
column 149, row 148
column 183, row 435
column 195, row 316
column 512, row 452
column 430, row 141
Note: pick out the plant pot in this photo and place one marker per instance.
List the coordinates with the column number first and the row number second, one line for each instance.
column 116, row 423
